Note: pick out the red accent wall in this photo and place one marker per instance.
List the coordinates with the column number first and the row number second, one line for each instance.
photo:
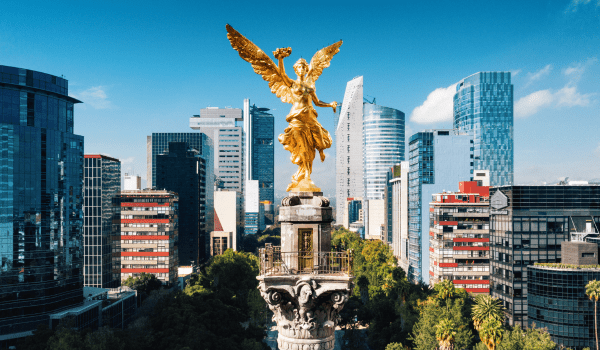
column 448, row 264
column 471, row 187
column 130, row 204
column 150, row 238
column 470, row 248
column 431, row 234
column 477, row 290
column 145, row 270
column 431, row 273
column 470, row 240
column 431, row 249
column 471, row 281
column 144, row 221
column 92, row 156
column 449, row 223
column 144, row 253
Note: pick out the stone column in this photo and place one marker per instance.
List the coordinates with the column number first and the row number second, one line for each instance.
column 306, row 308
column 305, row 290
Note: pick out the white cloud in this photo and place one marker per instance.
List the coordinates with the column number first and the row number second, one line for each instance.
column 532, row 103
column 128, row 160
column 539, row 74
column 515, row 72
column 95, row 96
column 574, row 5
column 575, row 71
column 438, row 107
column 598, row 149
column 569, row 96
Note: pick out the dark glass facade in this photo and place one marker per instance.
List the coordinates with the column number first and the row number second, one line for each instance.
column 557, row 301
column 530, row 229
column 483, row 106
column 263, row 152
column 101, row 229
column 184, row 170
column 41, row 200
column 158, row 143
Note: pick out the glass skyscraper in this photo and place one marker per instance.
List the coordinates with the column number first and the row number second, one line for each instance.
column 101, row 231
column 438, row 161
column 383, row 130
column 187, row 172
column 259, row 127
column 41, row 200
column 158, row 143
column 483, row 106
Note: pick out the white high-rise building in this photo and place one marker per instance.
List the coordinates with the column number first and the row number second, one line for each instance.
column 132, row 182
column 349, row 147
column 224, row 127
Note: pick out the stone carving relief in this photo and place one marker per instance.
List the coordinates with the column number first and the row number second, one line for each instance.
column 306, row 310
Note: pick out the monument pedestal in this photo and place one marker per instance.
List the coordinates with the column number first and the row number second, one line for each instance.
column 304, row 283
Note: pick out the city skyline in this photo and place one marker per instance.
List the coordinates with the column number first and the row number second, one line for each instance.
column 148, row 73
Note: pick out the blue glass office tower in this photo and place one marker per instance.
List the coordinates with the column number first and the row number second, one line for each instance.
column 483, row 106
column 438, row 160
column 383, row 130
column 41, row 200
column 259, row 167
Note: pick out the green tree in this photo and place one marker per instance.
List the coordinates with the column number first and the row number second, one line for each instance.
column 486, row 307
column 455, row 309
column 144, row 284
column 445, row 289
column 490, row 332
column 445, row 331
column 395, row 346
column 592, row 290
column 517, row 339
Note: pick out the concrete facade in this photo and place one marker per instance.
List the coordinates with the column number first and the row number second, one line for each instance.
column 579, row 253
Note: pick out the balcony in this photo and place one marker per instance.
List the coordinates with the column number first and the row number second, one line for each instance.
column 274, row 262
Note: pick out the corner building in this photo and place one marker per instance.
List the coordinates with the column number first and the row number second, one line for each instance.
column 483, row 107
column 459, row 238
column 41, row 200
column 527, row 225
column 149, row 234
column 101, row 231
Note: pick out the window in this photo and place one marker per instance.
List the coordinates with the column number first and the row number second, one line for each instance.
column 348, row 159
column 348, row 126
column 348, row 170
column 348, row 148
column 348, row 137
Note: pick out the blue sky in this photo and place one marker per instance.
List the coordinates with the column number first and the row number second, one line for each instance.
column 143, row 67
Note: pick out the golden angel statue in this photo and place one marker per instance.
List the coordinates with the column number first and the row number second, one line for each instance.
column 304, row 135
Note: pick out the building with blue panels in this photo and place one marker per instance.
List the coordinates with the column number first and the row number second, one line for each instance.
column 41, row 200
column 102, row 228
column 383, row 132
column 438, row 161
column 259, row 129
column 483, row 106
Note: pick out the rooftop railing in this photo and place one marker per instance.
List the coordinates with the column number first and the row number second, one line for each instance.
column 275, row 262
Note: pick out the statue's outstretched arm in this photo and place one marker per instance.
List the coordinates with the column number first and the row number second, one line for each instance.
column 280, row 54
column 320, row 103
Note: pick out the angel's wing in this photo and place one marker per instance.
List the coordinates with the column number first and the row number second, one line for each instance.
column 321, row 60
column 261, row 63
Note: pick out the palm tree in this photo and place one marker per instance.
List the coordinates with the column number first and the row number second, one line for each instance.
column 445, row 290
column 592, row 290
column 485, row 308
column 490, row 332
column 444, row 333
